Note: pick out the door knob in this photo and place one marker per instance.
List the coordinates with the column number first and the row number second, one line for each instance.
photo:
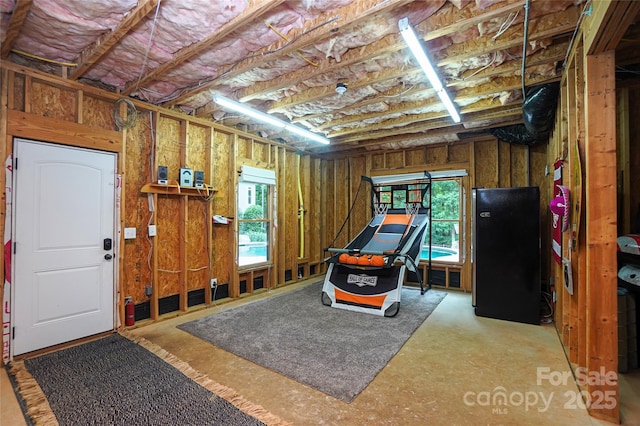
column 108, row 256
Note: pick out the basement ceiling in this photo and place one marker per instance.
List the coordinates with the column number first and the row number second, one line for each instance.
column 287, row 57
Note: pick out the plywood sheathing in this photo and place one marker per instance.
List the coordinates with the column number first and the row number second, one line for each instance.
column 487, row 164
column 222, row 178
column 137, row 262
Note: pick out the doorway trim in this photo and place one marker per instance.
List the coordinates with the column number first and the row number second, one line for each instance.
column 35, row 127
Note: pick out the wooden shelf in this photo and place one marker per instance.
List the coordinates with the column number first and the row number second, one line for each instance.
column 172, row 188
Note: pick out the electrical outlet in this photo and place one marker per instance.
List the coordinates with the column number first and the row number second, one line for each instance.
column 148, row 290
column 214, row 282
column 152, row 230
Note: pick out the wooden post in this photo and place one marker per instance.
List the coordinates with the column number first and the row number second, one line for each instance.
column 155, row 286
column 601, row 283
column 234, row 280
column 208, row 179
column 581, row 275
column 183, row 220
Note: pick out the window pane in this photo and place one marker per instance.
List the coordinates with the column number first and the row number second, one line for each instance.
column 399, row 198
column 253, row 223
column 253, row 200
column 253, row 243
column 445, row 242
column 446, row 200
column 262, row 199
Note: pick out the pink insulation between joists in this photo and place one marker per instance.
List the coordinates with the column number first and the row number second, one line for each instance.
column 6, row 7
column 61, row 30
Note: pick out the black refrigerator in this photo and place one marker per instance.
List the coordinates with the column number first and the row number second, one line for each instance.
column 505, row 253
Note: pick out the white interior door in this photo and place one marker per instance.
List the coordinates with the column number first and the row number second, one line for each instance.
column 64, row 206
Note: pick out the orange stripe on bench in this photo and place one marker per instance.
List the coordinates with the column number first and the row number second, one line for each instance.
column 341, row 296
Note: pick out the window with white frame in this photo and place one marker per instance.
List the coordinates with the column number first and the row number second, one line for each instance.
column 254, row 204
column 446, row 218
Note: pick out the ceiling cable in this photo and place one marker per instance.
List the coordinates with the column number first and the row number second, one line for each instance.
column 146, row 53
column 586, row 10
column 41, row 58
column 524, row 44
column 506, row 25
column 284, row 37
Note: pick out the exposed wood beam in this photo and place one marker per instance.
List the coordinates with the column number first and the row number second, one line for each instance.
column 482, row 110
column 344, row 17
column 20, row 12
column 92, row 54
column 462, row 19
column 491, row 89
column 607, row 24
column 550, row 55
column 541, row 28
column 255, row 9
column 431, row 26
column 601, row 233
column 360, row 145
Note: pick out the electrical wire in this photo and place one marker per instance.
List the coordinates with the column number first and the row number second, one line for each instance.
column 205, row 197
column 41, row 58
column 626, row 70
column 493, row 60
column 506, row 25
column 547, row 318
column 131, row 117
column 169, row 271
column 146, row 53
column 586, row 7
column 284, row 37
column 404, row 92
column 525, row 41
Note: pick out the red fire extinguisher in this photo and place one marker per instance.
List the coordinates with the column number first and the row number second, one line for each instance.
column 129, row 318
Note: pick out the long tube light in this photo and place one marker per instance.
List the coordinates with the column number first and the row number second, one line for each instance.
column 267, row 119
column 418, row 52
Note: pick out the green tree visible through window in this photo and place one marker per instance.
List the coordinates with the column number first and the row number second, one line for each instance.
column 445, row 217
column 254, row 224
column 255, row 230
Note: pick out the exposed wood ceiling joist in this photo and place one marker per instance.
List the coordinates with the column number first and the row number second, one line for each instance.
column 285, row 57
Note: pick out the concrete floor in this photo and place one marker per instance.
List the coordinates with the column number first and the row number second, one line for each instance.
column 446, row 374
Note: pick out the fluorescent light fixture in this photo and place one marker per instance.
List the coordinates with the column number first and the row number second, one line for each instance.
column 243, row 109
column 307, row 134
column 267, row 119
column 418, row 52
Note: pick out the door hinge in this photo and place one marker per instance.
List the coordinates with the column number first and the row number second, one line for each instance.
column 15, row 245
column 15, row 163
column 13, row 333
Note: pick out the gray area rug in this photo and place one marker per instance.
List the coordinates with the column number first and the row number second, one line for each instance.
column 336, row 351
column 114, row 381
